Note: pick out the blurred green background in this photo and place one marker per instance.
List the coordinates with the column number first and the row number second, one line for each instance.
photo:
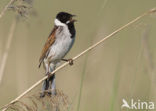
column 122, row 67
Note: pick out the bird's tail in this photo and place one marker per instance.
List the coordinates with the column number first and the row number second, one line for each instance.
column 52, row 81
column 53, row 84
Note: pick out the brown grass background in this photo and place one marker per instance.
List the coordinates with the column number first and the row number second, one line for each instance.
column 122, row 67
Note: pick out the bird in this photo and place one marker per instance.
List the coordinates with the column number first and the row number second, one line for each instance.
column 58, row 44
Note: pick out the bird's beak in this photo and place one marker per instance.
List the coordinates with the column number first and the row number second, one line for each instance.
column 73, row 15
column 73, row 20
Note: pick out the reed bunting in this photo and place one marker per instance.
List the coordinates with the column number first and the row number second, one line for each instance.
column 58, row 44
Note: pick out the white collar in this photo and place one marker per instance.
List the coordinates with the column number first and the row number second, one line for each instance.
column 59, row 23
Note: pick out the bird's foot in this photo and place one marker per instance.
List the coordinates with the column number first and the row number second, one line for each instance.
column 46, row 92
column 68, row 60
column 42, row 94
column 49, row 75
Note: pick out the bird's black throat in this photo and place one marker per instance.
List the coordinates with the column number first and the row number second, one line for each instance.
column 71, row 28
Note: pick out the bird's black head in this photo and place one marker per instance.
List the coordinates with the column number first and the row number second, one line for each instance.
column 65, row 17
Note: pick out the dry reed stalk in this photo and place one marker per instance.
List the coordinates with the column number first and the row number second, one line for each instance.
column 102, row 6
column 5, row 8
column 21, row 62
column 149, row 59
column 7, row 48
column 147, row 53
column 5, row 107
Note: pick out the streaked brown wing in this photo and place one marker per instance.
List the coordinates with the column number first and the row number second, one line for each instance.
column 49, row 42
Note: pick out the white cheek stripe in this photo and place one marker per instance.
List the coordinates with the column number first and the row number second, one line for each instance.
column 68, row 22
column 59, row 23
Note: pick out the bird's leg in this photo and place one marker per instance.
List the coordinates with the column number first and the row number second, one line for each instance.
column 68, row 60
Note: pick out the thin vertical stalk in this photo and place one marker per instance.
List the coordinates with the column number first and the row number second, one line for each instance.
column 138, row 60
column 7, row 48
column 115, row 86
column 81, row 83
column 149, row 60
column 5, row 8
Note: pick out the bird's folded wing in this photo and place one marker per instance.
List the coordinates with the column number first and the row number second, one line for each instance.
column 49, row 42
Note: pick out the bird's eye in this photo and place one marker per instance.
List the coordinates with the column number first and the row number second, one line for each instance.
column 64, row 17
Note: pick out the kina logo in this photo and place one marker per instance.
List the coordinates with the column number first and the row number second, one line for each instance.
column 137, row 104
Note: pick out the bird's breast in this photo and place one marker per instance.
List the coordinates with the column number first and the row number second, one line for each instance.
column 62, row 44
